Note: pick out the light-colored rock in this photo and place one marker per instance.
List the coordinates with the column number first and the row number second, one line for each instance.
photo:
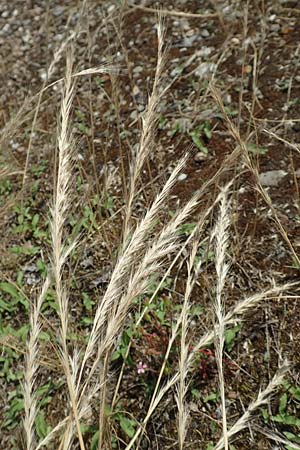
column 200, row 156
column 272, row 177
column 182, row 177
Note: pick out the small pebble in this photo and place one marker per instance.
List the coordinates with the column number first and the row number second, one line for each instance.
column 200, row 156
column 182, row 177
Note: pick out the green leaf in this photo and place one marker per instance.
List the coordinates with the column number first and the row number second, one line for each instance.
column 295, row 392
column 42, row 429
column 282, row 404
column 196, row 393
column 35, row 220
column 87, row 321
column 94, row 441
column 9, row 289
column 116, row 355
column 207, row 131
column 187, row 228
column 230, row 336
column 88, row 304
column 127, row 425
column 257, row 150
column 265, row 414
column 198, row 142
column 5, row 306
column 292, row 437
column 213, row 397
column 17, row 250
column 286, row 419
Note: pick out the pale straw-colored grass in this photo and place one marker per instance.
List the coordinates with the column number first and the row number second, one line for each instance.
column 262, row 398
column 221, row 238
column 31, row 368
column 140, row 256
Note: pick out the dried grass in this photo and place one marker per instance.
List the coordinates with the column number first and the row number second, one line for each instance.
column 141, row 255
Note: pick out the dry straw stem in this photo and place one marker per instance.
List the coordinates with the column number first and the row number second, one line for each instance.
column 125, row 264
column 232, row 317
column 245, row 154
column 235, row 314
column 56, row 58
column 173, row 12
column 196, row 231
column 61, row 251
column 262, row 398
column 186, row 362
column 149, row 120
column 31, row 368
column 221, row 243
column 281, row 139
column 59, row 248
column 137, row 284
column 182, row 385
column 277, row 437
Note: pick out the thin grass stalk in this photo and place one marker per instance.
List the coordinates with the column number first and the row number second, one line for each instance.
column 182, row 386
column 245, row 153
column 102, row 401
column 125, row 264
column 84, row 411
column 164, row 246
column 56, row 58
column 275, row 436
column 59, row 216
column 235, row 314
column 228, row 162
column 175, row 331
column 31, row 367
column 149, row 121
column 262, row 398
column 221, row 244
column 196, row 230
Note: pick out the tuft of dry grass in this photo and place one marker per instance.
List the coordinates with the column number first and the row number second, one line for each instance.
column 144, row 251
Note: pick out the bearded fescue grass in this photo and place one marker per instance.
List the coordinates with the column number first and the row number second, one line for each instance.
column 140, row 255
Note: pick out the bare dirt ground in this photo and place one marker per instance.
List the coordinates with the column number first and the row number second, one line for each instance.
column 233, row 74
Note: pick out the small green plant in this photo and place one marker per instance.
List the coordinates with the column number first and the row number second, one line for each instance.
column 11, row 297
column 39, row 169
column 80, row 123
column 230, row 337
column 28, row 223
column 257, row 150
column 288, row 413
column 123, row 345
column 200, row 134
column 5, row 186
